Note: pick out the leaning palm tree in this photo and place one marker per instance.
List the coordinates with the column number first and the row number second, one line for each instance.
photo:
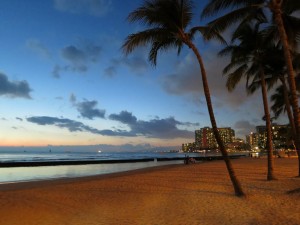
column 248, row 59
column 166, row 24
column 288, row 31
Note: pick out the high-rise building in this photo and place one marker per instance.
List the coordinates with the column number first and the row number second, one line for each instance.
column 205, row 139
column 281, row 136
column 252, row 140
column 188, row 147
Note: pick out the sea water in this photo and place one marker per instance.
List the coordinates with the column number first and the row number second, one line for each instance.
column 21, row 174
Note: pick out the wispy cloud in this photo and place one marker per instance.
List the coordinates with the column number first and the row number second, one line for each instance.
column 136, row 63
column 91, row 7
column 14, row 89
column 36, row 46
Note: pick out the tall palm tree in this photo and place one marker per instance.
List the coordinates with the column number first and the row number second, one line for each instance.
column 166, row 24
column 276, row 70
column 248, row 59
column 288, row 31
column 279, row 105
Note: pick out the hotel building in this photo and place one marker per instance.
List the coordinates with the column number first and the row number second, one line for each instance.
column 205, row 139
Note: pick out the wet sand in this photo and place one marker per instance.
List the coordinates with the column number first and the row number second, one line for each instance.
column 198, row 194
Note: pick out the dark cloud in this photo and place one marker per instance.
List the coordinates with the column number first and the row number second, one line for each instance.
column 14, row 89
column 18, row 118
column 91, row 7
column 124, row 117
column 155, row 128
column 80, row 55
column 73, row 54
column 87, row 109
column 75, row 126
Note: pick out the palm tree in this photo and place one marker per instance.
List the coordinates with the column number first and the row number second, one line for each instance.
column 167, row 22
column 288, row 31
column 276, row 70
column 248, row 59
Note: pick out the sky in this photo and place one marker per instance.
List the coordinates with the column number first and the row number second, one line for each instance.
column 64, row 80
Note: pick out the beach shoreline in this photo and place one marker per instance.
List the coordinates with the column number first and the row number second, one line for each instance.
column 198, row 193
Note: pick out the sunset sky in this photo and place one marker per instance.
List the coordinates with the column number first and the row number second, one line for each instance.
column 65, row 81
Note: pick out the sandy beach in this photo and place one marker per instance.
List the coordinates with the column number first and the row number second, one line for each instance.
column 198, row 194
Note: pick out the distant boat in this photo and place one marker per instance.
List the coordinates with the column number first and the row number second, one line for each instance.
column 99, row 151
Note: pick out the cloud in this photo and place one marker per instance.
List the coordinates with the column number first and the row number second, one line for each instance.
column 37, row 47
column 18, row 118
column 14, row 89
column 71, row 125
column 78, row 58
column 73, row 54
column 75, row 126
column 155, row 128
column 124, row 117
column 87, row 108
column 91, row 7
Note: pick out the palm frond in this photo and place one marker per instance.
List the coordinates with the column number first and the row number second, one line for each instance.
column 235, row 77
column 171, row 14
column 162, row 46
column 222, row 23
column 278, row 106
column 291, row 6
column 207, row 34
column 216, row 6
column 144, row 38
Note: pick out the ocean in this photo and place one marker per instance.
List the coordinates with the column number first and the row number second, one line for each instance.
column 105, row 162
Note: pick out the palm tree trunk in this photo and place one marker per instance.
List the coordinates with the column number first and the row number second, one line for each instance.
column 288, row 107
column 270, row 175
column 235, row 182
column 276, row 9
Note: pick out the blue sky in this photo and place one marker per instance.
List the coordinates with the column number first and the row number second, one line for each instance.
column 65, row 81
